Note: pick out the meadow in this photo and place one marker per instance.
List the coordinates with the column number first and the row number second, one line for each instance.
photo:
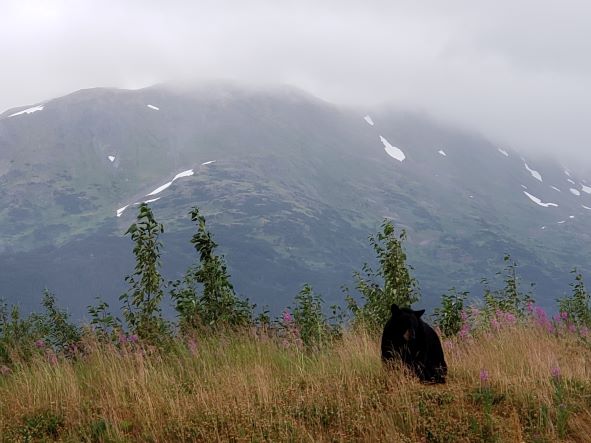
column 515, row 382
column 218, row 372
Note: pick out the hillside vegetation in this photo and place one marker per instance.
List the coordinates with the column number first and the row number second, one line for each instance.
column 517, row 384
column 227, row 372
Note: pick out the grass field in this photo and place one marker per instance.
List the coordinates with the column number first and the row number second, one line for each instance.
column 518, row 384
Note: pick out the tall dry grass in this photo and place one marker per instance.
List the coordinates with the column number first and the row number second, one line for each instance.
column 242, row 388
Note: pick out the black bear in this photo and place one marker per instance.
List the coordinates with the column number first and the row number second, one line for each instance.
column 407, row 337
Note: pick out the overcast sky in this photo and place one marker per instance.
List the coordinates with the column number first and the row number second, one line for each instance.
column 517, row 71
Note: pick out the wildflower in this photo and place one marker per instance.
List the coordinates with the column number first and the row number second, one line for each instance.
column 133, row 338
column 510, row 318
column 494, row 323
column 52, row 358
column 465, row 331
column 287, row 318
column 484, row 376
column 571, row 328
column 192, row 345
column 40, row 344
column 555, row 372
column 584, row 331
column 540, row 314
column 4, row 370
column 564, row 316
column 122, row 338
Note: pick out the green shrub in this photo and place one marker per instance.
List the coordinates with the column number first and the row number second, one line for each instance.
column 391, row 283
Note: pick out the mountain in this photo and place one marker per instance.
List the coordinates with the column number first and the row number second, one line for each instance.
column 291, row 187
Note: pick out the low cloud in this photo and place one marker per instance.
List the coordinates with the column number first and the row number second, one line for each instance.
column 516, row 71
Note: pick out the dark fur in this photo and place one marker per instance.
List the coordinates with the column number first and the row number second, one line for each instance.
column 421, row 350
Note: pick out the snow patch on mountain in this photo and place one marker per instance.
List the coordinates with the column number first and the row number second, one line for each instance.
column 208, row 163
column 561, row 222
column 121, row 210
column 555, row 188
column 567, row 173
column 151, row 200
column 502, row 151
column 155, row 108
column 368, row 119
column 159, row 189
column 586, row 207
column 570, row 181
column 535, row 174
column 28, row 111
column 586, row 189
column 574, row 191
column 111, row 158
column 537, row 201
column 392, row 151
column 442, row 152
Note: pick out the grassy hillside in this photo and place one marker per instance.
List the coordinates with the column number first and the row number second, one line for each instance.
column 516, row 382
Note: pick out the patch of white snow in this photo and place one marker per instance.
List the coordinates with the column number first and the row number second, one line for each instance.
column 570, row 181
column 208, row 163
column 571, row 216
column 368, row 119
column 574, row 191
column 505, row 153
column 120, row 210
column 555, row 188
column 28, row 111
column 392, row 151
column 111, row 158
column 586, row 189
column 537, row 201
column 567, row 173
column 155, row 108
column 442, row 152
column 561, row 222
column 152, row 200
column 159, row 189
column 534, row 174
column 524, row 187
column 586, row 207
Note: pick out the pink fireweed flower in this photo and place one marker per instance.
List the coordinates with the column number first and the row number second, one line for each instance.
column 40, row 344
column 571, row 328
column 122, row 338
column 133, row 338
column 465, row 330
column 52, row 358
column 192, row 345
column 564, row 316
column 510, row 319
column 287, row 318
column 484, row 376
column 4, row 370
column 555, row 372
column 494, row 323
column 584, row 331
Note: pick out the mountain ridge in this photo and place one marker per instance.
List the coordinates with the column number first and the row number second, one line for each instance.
column 300, row 182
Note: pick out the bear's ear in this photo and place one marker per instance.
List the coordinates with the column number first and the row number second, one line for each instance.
column 394, row 309
column 420, row 313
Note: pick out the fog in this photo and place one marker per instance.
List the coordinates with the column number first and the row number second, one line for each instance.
column 519, row 72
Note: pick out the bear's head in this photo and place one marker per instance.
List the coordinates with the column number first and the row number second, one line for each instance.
column 405, row 322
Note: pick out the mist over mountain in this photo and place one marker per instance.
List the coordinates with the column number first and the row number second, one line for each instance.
column 291, row 187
